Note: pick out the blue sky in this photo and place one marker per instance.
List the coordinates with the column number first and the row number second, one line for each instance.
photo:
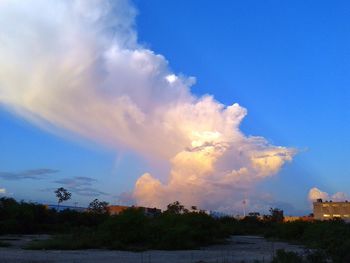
column 287, row 62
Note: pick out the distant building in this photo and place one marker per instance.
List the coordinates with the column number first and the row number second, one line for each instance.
column 117, row 209
column 331, row 210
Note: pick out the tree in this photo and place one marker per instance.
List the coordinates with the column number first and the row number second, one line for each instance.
column 62, row 195
column 98, row 207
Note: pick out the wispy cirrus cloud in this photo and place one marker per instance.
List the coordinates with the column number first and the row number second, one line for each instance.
column 76, row 181
column 81, row 185
column 88, row 191
column 34, row 174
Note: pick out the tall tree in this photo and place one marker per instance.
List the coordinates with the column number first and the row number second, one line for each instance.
column 62, row 195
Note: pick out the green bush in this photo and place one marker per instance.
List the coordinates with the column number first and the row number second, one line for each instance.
column 129, row 228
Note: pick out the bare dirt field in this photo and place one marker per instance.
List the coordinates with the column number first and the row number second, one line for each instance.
column 238, row 249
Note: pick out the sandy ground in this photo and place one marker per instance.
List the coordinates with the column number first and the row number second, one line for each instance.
column 239, row 248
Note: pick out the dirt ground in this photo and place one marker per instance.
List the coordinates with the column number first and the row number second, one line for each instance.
column 238, row 249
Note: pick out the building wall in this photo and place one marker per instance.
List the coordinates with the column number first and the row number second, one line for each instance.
column 331, row 210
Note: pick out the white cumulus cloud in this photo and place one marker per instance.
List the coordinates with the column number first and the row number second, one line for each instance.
column 76, row 65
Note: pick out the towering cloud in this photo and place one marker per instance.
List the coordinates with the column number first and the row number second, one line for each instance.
column 76, row 66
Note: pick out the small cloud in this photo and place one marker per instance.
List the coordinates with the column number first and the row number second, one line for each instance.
column 35, row 174
column 2, row 191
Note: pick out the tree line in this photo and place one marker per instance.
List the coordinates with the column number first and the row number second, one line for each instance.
column 175, row 228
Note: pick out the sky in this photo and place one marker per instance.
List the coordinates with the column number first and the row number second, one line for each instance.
column 285, row 63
